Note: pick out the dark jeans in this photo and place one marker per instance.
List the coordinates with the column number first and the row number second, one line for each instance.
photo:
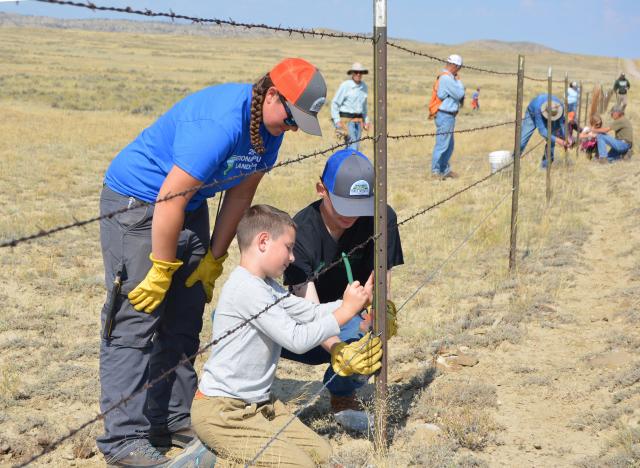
column 142, row 346
column 340, row 386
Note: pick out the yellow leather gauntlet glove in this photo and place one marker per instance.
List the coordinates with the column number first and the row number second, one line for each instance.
column 392, row 319
column 148, row 295
column 349, row 358
column 208, row 271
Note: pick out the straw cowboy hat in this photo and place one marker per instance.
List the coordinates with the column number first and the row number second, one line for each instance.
column 357, row 67
column 556, row 110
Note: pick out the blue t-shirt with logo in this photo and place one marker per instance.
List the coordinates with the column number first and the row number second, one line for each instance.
column 206, row 134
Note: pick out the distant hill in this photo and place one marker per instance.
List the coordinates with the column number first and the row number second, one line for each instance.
column 518, row 46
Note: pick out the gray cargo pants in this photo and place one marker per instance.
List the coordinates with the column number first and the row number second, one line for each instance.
column 142, row 346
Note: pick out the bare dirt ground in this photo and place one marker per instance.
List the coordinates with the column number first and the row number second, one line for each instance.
column 558, row 388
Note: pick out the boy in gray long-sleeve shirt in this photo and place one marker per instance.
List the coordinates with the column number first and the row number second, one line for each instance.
column 233, row 413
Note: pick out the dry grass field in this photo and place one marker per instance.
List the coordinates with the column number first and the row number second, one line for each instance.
column 557, row 377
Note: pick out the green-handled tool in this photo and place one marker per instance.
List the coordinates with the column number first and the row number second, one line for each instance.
column 347, row 267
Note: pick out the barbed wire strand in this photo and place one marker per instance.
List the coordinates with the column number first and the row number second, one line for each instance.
column 454, row 251
column 465, row 189
column 215, row 21
column 466, row 67
column 465, row 130
column 280, row 29
column 466, row 239
column 215, row 183
column 79, row 223
column 309, row 401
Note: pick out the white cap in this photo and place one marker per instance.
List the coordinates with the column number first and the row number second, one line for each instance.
column 455, row 59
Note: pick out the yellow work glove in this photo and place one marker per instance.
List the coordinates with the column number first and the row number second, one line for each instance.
column 348, row 358
column 392, row 319
column 208, row 271
column 148, row 295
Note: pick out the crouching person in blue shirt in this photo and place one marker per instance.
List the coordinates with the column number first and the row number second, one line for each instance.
column 536, row 118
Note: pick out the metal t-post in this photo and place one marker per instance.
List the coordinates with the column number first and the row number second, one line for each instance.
column 586, row 111
column 516, row 166
column 566, row 116
column 380, row 214
column 578, row 120
column 548, row 155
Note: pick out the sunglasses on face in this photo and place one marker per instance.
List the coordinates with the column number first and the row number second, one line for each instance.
column 289, row 121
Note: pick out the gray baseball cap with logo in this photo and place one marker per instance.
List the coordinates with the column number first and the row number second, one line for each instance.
column 349, row 177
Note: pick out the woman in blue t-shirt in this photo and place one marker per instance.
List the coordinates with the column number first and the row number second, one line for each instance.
column 160, row 263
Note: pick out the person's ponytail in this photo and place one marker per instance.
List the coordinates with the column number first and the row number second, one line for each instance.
column 259, row 92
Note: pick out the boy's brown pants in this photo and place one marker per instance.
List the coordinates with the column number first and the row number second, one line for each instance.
column 237, row 431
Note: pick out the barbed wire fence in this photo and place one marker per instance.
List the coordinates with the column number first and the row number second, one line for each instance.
column 247, row 321
column 290, row 31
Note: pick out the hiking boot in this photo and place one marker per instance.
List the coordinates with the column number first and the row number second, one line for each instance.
column 349, row 413
column 450, row 175
column 162, row 437
column 141, row 454
column 436, row 176
column 194, row 455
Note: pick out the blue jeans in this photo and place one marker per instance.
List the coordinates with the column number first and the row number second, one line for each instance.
column 443, row 149
column 528, row 127
column 355, row 130
column 618, row 147
column 572, row 106
column 340, row 386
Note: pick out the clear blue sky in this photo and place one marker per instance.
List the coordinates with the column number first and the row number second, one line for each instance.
column 598, row 27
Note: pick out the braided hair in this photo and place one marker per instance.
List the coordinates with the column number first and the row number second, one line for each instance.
column 260, row 89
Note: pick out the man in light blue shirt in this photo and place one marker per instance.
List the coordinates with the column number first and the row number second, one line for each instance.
column 572, row 97
column 349, row 106
column 451, row 91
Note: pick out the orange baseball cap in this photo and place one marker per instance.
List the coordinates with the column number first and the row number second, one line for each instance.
column 304, row 89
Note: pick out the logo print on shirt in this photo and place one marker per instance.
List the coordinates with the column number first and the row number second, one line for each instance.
column 243, row 162
column 230, row 162
column 359, row 188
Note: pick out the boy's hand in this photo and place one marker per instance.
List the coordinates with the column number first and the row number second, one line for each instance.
column 355, row 297
column 368, row 288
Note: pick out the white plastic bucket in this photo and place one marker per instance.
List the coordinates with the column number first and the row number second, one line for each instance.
column 499, row 159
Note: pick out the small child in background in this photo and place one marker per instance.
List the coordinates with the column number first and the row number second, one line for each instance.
column 475, row 100
column 588, row 142
column 233, row 412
